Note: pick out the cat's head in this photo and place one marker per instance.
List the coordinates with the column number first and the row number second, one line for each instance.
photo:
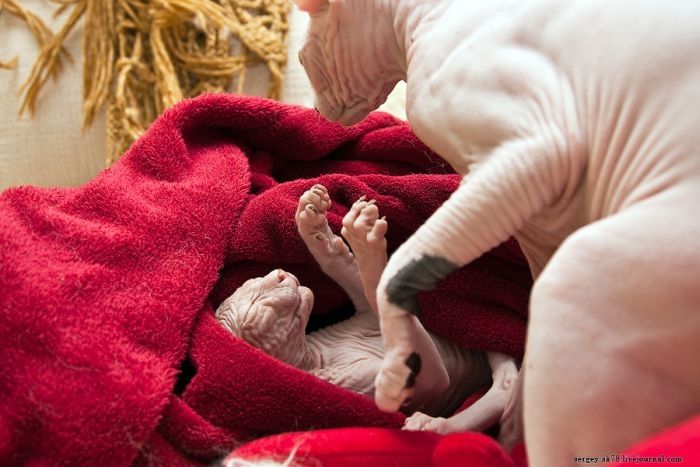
column 350, row 58
column 271, row 313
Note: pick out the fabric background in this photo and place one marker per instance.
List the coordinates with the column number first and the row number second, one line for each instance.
column 51, row 149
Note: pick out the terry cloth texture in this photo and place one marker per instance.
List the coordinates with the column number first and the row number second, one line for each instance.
column 110, row 349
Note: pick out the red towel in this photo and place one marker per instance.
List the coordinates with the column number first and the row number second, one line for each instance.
column 110, row 351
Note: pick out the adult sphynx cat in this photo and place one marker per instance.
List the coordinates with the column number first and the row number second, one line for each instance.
column 576, row 127
column 271, row 313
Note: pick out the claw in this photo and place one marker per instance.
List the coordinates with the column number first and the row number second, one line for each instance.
column 413, row 362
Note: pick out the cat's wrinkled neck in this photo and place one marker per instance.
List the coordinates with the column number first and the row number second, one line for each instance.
column 376, row 20
column 310, row 356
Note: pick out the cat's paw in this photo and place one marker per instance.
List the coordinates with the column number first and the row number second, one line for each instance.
column 364, row 230
column 395, row 381
column 328, row 249
column 422, row 422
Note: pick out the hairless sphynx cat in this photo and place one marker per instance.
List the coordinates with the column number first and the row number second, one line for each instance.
column 576, row 125
column 271, row 313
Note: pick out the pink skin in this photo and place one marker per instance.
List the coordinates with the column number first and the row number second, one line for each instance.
column 581, row 143
column 268, row 311
column 271, row 312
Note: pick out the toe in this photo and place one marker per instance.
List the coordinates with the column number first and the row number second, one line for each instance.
column 353, row 213
column 324, row 201
column 320, row 189
column 368, row 216
column 414, row 422
column 317, row 196
column 307, row 216
column 376, row 236
column 311, row 211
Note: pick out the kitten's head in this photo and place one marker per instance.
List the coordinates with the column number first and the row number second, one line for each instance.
column 346, row 58
column 271, row 313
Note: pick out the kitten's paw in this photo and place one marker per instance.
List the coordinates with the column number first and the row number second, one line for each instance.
column 329, row 250
column 365, row 233
column 394, row 384
column 422, row 422
column 311, row 211
column 364, row 230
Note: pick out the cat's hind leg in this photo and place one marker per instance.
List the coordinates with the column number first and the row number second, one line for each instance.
column 612, row 345
column 485, row 412
column 364, row 231
column 329, row 250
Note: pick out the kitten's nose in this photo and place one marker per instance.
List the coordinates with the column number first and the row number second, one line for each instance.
column 316, row 109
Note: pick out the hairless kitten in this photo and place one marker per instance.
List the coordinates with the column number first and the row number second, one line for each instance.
column 576, row 126
column 271, row 312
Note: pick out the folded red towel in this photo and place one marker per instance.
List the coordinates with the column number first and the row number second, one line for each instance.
column 111, row 353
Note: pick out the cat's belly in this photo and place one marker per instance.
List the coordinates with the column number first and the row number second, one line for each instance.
column 469, row 371
column 353, row 351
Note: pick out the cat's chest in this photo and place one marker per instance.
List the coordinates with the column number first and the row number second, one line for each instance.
column 353, row 364
column 431, row 119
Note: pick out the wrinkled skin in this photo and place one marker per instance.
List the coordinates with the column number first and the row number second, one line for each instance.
column 575, row 127
column 271, row 313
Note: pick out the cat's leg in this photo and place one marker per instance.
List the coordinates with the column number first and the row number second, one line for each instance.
column 523, row 156
column 329, row 250
column 612, row 345
column 364, row 231
column 492, row 203
column 485, row 412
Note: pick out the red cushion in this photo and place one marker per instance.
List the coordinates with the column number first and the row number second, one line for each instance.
column 378, row 447
column 386, row 447
column 681, row 441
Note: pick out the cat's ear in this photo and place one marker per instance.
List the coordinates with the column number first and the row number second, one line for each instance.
column 310, row 6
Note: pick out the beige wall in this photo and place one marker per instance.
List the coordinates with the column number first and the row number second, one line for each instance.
column 51, row 149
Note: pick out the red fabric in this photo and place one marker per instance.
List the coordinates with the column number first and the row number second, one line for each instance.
column 378, row 447
column 110, row 351
column 345, row 447
column 679, row 445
